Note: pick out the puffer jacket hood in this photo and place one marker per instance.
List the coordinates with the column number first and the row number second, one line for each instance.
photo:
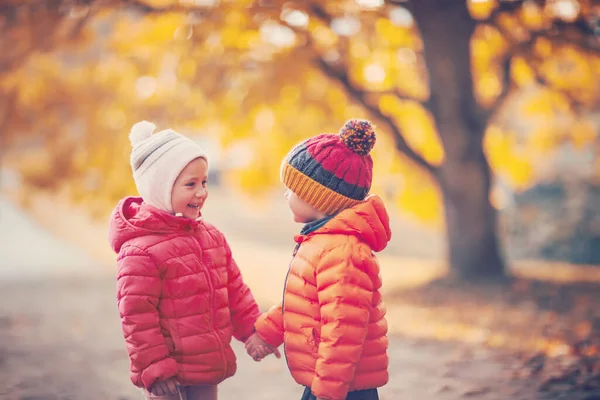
column 132, row 218
column 368, row 221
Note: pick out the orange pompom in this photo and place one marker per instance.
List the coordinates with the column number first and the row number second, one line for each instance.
column 358, row 135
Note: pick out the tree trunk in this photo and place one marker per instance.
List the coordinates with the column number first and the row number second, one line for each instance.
column 471, row 223
column 465, row 177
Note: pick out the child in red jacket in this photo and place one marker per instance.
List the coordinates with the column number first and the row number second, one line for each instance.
column 180, row 294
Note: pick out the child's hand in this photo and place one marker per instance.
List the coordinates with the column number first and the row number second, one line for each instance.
column 165, row 388
column 259, row 349
column 256, row 348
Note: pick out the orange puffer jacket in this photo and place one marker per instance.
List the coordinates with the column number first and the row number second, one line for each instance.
column 181, row 296
column 331, row 320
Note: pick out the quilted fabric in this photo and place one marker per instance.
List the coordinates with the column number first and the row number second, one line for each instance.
column 180, row 295
column 332, row 318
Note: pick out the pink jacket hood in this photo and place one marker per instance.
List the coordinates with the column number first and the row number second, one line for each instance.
column 132, row 218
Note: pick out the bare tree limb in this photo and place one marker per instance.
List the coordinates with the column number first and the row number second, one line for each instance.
column 508, row 6
column 577, row 33
column 80, row 24
column 7, row 107
column 150, row 9
column 14, row 62
column 318, row 11
column 361, row 97
column 565, row 36
column 533, row 62
column 524, row 49
column 506, row 87
column 44, row 29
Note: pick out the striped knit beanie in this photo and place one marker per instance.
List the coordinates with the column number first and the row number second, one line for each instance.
column 157, row 160
column 332, row 172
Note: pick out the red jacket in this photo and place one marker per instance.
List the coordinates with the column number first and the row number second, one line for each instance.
column 180, row 295
column 332, row 319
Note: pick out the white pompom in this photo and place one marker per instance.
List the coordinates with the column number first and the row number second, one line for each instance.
column 141, row 131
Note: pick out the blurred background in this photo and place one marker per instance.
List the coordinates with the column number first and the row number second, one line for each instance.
column 488, row 119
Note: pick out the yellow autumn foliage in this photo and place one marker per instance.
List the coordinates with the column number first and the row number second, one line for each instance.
column 219, row 76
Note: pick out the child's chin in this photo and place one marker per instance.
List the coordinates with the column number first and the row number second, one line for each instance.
column 192, row 214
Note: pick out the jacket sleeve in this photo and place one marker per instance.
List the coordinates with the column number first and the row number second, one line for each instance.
column 270, row 326
column 138, row 293
column 243, row 307
column 345, row 292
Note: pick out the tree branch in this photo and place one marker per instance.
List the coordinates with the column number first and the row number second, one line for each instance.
column 524, row 49
column 533, row 61
column 361, row 97
column 7, row 108
column 81, row 23
column 560, row 32
column 47, row 24
column 318, row 11
column 149, row 9
column 506, row 87
column 507, row 6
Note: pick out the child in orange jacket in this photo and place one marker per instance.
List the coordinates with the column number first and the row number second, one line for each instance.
column 332, row 318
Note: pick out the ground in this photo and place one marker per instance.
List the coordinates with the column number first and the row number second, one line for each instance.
column 60, row 336
column 60, row 339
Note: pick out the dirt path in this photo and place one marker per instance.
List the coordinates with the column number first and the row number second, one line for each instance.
column 60, row 339
column 60, row 336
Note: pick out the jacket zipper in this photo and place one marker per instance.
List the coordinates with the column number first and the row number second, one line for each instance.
column 283, row 300
column 212, row 309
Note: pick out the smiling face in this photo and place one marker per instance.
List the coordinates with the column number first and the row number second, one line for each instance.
column 190, row 189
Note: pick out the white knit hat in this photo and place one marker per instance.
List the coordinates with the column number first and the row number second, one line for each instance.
column 157, row 160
